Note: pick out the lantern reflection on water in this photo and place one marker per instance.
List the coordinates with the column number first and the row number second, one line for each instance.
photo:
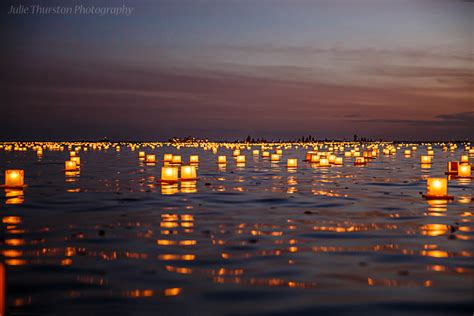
column 14, row 196
column 188, row 187
column 360, row 161
column 14, row 178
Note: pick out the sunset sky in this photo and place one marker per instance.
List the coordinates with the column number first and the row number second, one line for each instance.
column 223, row 69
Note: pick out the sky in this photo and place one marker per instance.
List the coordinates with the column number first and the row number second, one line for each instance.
column 225, row 69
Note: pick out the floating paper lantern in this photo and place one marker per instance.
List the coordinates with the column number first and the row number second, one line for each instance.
column 141, row 154
column 315, row 158
column 437, row 188
column 176, row 160
column 39, row 152
column 292, row 163
column 324, row 162
column 279, row 152
column 430, row 152
column 236, row 152
column 332, row 159
column 194, row 159
column 426, row 159
column 464, row 159
column 347, row 154
column 72, row 154
column 240, row 159
column 453, row 167
column 265, row 154
column 464, row 171
column 167, row 157
column 338, row 161
column 77, row 160
column 14, row 178
column 150, row 158
column 256, row 152
column 70, row 165
column 188, row 173
column 275, row 157
column 169, row 174
column 360, row 161
column 407, row 152
column 222, row 160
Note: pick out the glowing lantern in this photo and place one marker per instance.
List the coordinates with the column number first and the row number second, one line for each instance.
column 39, row 152
column 240, row 159
column 360, row 161
column 407, row 152
column 464, row 159
column 77, row 160
column 70, row 165
column 315, row 158
column 292, row 163
column 141, row 154
column 324, row 162
column 426, row 160
column 188, row 173
column 72, row 154
column 436, row 188
column 453, row 167
column 194, row 159
column 275, row 157
column 347, row 154
column 265, row 154
column 279, row 152
column 236, row 152
column 222, row 160
column 338, row 161
column 14, row 178
column 256, row 152
column 430, row 152
column 168, row 157
column 464, row 171
column 176, row 159
column 150, row 158
column 169, row 174
column 332, row 159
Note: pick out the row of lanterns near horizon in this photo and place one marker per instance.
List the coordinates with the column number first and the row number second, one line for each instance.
column 171, row 173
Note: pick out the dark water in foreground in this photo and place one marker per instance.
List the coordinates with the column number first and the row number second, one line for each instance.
column 246, row 240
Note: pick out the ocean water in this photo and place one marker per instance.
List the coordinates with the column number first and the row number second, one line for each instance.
column 257, row 239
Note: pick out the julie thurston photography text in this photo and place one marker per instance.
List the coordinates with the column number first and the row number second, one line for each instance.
column 38, row 9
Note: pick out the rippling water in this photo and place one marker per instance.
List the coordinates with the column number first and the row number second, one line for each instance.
column 254, row 239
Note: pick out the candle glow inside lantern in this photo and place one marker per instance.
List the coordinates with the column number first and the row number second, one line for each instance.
column 240, row 159
column 360, row 161
column 332, row 158
column 169, row 174
column 77, row 160
column 275, row 157
column 315, row 158
column 279, row 152
column 168, row 157
column 464, row 171
column 176, row 159
column 256, row 152
column 426, row 159
column 141, row 154
column 222, row 160
column 292, row 162
column 14, row 178
column 407, row 152
column 265, row 154
column 338, row 161
column 437, row 188
column 150, row 158
column 324, row 162
column 70, row 165
column 464, row 159
column 430, row 152
column 236, row 152
column 72, row 154
column 188, row 173
column 194, row 159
